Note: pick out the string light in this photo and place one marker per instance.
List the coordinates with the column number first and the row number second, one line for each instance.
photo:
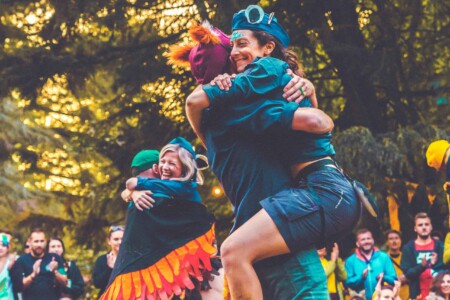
column 217, row 191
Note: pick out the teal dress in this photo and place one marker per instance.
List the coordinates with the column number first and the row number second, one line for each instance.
column 321, row 206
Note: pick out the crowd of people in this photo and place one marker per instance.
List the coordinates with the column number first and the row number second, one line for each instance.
column 270, row 148
column 415, row 270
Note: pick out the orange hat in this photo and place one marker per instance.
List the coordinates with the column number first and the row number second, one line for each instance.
column 436, row 152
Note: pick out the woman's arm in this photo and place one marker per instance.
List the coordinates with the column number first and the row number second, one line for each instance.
column 128, row 191
column 142, row 199
column 131, row 183
column 329, row 269
column 297, row 89
column 256, row 102
column 258, row 116
column 196, row 102
column 312, row 120
column 300, row 88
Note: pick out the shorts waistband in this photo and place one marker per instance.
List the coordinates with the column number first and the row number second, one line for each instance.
column 317, row 165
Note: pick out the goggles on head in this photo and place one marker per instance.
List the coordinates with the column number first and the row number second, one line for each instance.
column 255, row 14
column 115, row 228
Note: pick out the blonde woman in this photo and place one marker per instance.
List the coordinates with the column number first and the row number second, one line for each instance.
column 169, row 236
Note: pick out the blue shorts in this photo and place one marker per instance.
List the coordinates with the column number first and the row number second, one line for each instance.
column 322, row 208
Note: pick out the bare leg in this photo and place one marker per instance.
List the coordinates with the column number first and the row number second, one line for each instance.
column 257, row 239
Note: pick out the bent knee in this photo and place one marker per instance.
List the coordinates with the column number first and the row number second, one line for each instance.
column 234, row 253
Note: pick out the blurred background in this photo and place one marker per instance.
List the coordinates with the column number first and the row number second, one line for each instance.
column 85, row 85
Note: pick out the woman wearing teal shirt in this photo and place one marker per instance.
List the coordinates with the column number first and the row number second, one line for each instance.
column 322, row 207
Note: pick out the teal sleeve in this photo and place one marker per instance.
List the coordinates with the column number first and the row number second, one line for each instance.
column 354, row 277
column 390, row 276
column 261, row 77
column 159, row 187
column 169, row 188
column 341, row 274
column 257, row 117
column 254, row 101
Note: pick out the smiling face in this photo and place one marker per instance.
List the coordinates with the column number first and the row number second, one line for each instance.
column 245, row 48
column 4, row 250
column 55, row 246
column 170, row 166
column 365, row 242
column 423, row 228
column 445, row 285
column 115, row 239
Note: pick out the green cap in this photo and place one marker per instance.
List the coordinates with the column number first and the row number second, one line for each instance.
column 144, row 160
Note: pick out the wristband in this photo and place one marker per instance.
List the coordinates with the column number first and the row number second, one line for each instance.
column 130, row 198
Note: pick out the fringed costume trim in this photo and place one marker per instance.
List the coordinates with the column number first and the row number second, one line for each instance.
column 167, row 277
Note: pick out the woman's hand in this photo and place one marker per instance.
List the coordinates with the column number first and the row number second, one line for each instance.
column 298, row 89
column 397, row 286
column 378, row 287
column 223, row 81
column 52, row 266
column 110, row 260
column 142, row 199
column 335, row 252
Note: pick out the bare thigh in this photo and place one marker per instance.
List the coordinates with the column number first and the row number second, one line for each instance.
column 257, row 239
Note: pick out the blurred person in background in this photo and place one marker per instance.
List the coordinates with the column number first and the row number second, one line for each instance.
column 334, row 270
column 75, row 284
column 6, row 262
column 394, row 245
column 367, row 265
column 105, row 263
column 39, row 275
column 441, row 287
column 387, row 292
column 422, row 258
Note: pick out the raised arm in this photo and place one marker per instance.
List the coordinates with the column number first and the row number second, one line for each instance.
column 131, row 183
column 297, row 89
column 256, row 101
column 312, row 120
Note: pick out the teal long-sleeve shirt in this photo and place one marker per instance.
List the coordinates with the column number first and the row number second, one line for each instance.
column 380, row 262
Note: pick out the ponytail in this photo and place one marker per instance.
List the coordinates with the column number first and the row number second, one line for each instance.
column 286, row 55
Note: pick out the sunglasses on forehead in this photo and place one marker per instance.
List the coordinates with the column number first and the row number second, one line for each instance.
column 115, row 228
column 255, row 14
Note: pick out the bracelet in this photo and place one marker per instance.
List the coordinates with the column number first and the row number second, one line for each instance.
column 129, row 197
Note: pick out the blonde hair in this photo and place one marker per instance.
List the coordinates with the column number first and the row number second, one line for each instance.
column 189, row 170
